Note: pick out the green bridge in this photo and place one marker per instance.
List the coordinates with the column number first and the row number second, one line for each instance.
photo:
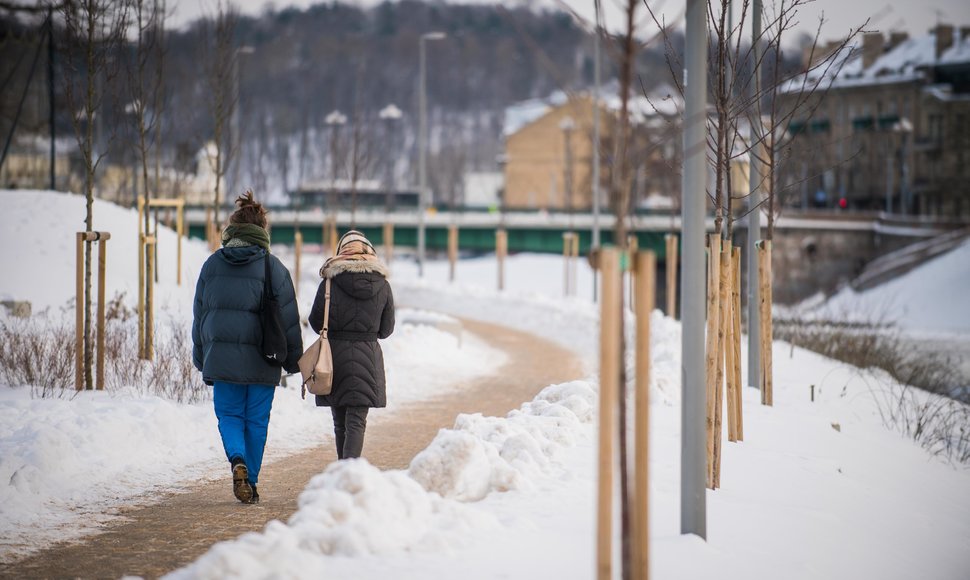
column 476, row 232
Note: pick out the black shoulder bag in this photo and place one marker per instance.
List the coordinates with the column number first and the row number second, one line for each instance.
column 274, row 340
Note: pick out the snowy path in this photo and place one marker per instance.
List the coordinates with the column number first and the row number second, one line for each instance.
column 176, row 530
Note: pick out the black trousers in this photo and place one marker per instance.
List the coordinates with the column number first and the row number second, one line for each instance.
column 349, row 424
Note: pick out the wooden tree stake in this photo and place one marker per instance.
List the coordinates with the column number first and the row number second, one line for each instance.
column 764, row 263
column 452, row 251
column 671, row 264
column 501, row 248
column 611, row 309
column 645, row 267
column 736, row 323
column 388, row 242
column 713, row 277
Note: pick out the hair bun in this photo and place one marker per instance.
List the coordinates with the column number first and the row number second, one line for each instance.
column 249, row 211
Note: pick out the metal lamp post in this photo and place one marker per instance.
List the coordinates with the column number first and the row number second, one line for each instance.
column 334, row 120
column 390, row 115
column 241, row 51
column 423, row 144
column 567, row 125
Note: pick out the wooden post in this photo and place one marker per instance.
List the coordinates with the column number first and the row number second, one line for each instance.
column 298, row 251
column 388, row 242
column 452, row 251
column 671, row 262
column 713, row 315
column 764, row 266
column 102, row 266
column 179, row 232
column 83, row 238
column 79, row 312
column 141, row 271
column 501, row 248
column 633, row 246
column 566, row 252
column 333, row 235
column 736, row 323
column 724, row 301
column 645, row 267
column 611, row 309
column 727, row 292
column 727, row 348
column 149, row 349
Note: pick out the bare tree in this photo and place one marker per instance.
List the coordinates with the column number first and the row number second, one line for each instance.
column 144, row 72
column 95, row 29
column 220, row 57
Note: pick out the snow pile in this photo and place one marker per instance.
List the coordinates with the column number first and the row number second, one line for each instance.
column 931, row 297
column 351, row 509
column 485, row 454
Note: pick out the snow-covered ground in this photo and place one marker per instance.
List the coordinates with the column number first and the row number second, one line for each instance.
column 66, row 463
column 931, row 298
column 818, row 489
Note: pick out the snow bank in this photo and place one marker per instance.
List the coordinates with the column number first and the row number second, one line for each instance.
column 485, row 454
column 929, row 298
column 353, row 509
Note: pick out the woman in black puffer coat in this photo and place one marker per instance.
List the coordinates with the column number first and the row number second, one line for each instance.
column 361, row 312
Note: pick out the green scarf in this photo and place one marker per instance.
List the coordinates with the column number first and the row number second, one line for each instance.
column 249, row 233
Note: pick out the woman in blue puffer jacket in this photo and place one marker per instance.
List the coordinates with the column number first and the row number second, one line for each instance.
column 227, row 335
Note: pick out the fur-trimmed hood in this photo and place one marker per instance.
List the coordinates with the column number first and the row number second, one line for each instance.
column 334, row 267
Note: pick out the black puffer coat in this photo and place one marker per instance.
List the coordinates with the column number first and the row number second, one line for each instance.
column 361, row 311
column 226, row 332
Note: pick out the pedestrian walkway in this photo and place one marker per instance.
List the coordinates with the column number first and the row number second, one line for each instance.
column 153, row 540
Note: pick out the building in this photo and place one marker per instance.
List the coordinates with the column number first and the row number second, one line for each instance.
column 892, row 132
column 548, row 159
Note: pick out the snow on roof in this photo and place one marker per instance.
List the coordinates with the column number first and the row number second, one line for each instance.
column 903, row 63
column 664, row 100
column 521, row 114
column 959, row 53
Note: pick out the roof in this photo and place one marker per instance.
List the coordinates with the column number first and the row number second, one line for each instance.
column 905, row 62
column 664, row 100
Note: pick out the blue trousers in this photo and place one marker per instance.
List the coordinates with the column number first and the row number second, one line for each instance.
column 243, row 413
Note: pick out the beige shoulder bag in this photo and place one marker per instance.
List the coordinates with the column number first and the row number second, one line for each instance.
column 316, row 364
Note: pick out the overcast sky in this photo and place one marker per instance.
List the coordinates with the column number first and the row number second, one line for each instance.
column 913, row 16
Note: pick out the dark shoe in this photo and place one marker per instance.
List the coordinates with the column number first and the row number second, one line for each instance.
column 240, row 480
column 255, row 498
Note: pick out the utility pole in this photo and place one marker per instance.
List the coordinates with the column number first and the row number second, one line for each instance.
column 693, row 447
column 50, row 92
column 754, row 210
column 596, row 145
column 423, row 144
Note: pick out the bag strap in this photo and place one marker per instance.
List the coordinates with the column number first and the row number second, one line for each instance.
column 267, row 279
column 326, row 310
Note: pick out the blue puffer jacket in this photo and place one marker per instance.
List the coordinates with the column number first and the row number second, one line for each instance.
column 226, row 333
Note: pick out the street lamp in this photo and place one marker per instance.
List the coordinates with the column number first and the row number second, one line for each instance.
column 390, row 114
column 567, row 125
column 334, row 120
column 423, row 144
column 240, row 51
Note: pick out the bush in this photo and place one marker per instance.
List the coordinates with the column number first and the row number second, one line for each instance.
column 898, row 378
column 39, row 352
